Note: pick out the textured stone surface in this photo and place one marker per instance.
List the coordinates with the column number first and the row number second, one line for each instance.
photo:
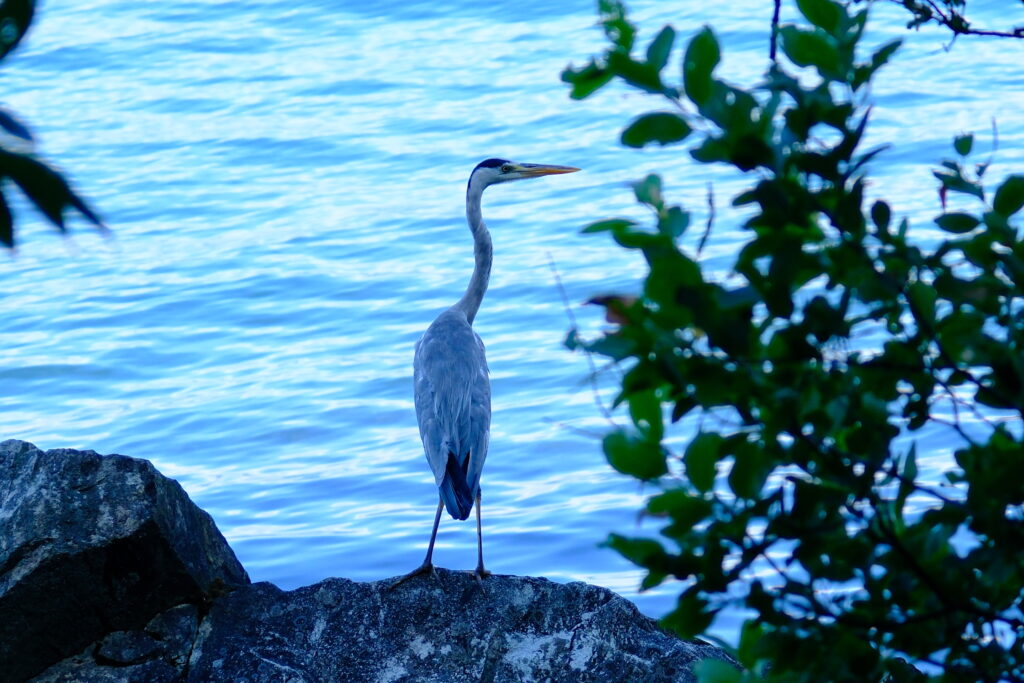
column 516, row 629
column 109, row 573
column 443, row 629
column 93, row 544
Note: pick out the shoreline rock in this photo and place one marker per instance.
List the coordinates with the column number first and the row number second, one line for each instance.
column 108, row 572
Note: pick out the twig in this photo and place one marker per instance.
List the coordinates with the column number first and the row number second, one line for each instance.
column 775, row 32
column 575, row 329
column 711, row 219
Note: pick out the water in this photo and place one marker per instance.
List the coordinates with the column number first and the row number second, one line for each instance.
column 286, row 183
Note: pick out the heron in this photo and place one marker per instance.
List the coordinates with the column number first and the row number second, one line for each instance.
column 450, row 375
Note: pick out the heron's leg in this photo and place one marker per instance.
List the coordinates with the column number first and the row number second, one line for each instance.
column 433, row 534
column 426, row 567
column 480, row 571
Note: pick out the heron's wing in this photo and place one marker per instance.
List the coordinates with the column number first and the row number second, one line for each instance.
column 452, row 394
column 479, row 428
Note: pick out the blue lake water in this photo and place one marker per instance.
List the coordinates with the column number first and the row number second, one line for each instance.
column 286, row 184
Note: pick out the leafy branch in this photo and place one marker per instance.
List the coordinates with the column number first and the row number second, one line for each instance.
column 798, row 384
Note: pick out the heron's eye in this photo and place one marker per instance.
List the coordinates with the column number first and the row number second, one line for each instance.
column 507, row 168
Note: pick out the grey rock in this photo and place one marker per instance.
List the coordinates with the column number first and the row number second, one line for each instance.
column 93, row 544
column 109, row 573
column 443, row 629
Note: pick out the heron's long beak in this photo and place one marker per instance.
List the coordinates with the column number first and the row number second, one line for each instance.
column 533, row 170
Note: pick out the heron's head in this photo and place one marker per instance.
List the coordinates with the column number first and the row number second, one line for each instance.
column 493, row 171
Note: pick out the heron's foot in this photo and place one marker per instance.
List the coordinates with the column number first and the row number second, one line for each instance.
column 480, row 574
column 425, row 568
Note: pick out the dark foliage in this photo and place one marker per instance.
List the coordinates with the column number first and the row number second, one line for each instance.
column 804, row 381
column 41, row 183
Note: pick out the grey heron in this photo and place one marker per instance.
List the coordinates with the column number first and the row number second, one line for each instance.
column 450, row 376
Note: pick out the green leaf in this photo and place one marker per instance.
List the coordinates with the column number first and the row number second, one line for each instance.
column 717, row 671
column 587, row 80
column 812, row 48
column 700, row 459
column 923, row 298
column 881, row 214
column 884, row 53
column 645, row 409
column 638, row 74
column 614, row 346
column 685, row 509
column 749, row 472
column 639, row 551
column 613, row 224
column 648, row 191
column 907, row 477
column 638, row 458
column 702, row 56
column 690, row 617
column 957, row 222
column 962, row 144
column 660, row 48
column 1010, row 196
column 674, row 222
column 618, row 29
column 956, row 182
column 660, row 127
column 824, row 14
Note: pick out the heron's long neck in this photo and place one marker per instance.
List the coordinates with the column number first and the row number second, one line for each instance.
column 482, row 251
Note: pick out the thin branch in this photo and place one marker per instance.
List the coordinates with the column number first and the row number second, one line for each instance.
column 575, row 328
column 775, row 32
column 711, row 219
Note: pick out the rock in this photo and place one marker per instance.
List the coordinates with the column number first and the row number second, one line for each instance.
column 443, row 629
column 94, row 544
column 110, row 573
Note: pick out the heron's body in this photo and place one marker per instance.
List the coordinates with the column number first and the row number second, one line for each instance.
column 453, row 408
column 450, row 375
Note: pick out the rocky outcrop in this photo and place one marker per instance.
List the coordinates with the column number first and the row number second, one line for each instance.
column 91, row 544
column 178, row 607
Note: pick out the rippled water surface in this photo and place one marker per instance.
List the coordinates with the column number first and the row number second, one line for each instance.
column 286, row 185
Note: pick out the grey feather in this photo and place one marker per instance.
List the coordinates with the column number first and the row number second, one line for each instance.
column 453, row 400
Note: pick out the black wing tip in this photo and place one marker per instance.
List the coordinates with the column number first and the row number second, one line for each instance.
column 460, row 501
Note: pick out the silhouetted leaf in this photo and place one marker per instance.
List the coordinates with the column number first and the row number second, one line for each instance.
column 660, row 127
column 674, row 222
column 15, row 18
column 884, row 53
column 616, row 26
column 957, row 222
column 612, row 224
column 1010, row 196
column 648, row 191
column 908, row 475
column 661, row 47
column 642, row 551
column 962, row 144
column 702, row 56
column 822, row 13
column 812, row 48
column 587, row 80
column 636, row 457
column 700, row 459
column 9, row 123
column 881, row 214
column 717, row 671
column 6, row 224
column 956, row 182
column 638, row 74
column 45, row 187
